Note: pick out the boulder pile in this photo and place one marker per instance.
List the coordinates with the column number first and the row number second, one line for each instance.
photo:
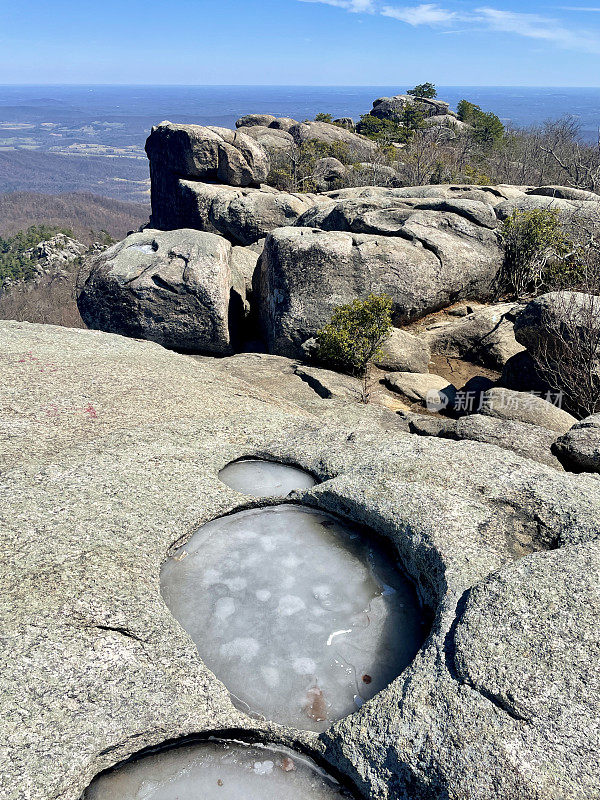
column 426, row 246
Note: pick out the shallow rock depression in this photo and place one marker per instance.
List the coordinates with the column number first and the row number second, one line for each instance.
column 300, row 615
column 216, row 770
column 258, row 478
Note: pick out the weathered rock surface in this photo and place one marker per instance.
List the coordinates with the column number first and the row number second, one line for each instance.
column 388, row 215
column 561, row 331
column 519, row 637
column 171, row 287
column 110, row 456
column 493, row 195
column 486, row 336
column 326, row 172
column 206, row 153
column 252, row 120
column 283, row 123
column 241, row 215
column 579, row 447
column 198, row 153
column 265, row 121
column 358, row 147
column 271, row 139
column 328, row 384
column 418, row 387
column 447, row 120
column 529, row 441
column 403, row 352
column 564, row 193
column 526, row 407
column 573, row 212
column 430, row 260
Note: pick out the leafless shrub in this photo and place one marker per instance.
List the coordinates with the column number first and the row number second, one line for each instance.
column 567, row 352
column 429, row 155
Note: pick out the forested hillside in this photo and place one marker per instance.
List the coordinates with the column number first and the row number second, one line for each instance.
column 82, row 212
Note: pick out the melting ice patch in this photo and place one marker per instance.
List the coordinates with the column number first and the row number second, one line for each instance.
column 258, row 478
column 216, row 771
column 142, row 248
column 305, row 633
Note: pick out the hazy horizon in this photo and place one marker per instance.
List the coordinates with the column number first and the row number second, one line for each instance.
column 302, row 85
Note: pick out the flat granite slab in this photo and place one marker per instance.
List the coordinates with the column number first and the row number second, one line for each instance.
column 110, row 453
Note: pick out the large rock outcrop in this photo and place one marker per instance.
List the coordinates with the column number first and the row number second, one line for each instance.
column 525, row 439
column 393, row 108
column 403, row 352
column 568, row 314
column 388, row 214
column 178, row 288
column 272, row 140
column 493, row 195
column 574, row 213
column 424, row 259
column 265, row 121
column 561, row 331
column 526, row 407
column 564, row 193
column 199, row 153
column 242, row 215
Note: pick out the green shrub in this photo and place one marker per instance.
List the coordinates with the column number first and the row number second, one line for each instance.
column 324, row 118
column 534, row 242
column 423, row 90
column 488, row 130
column 474, row 175
column 354, row 336
column 381, row 130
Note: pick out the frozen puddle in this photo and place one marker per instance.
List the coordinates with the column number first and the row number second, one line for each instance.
column 300, row 616
column 259, row 478
column 143, row 248
column 216, row 771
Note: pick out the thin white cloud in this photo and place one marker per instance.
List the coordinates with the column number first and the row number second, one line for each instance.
column 356, row 6
column 534, row 26
column 486, row 18
column 424, row 14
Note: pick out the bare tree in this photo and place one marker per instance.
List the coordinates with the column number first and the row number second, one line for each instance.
column 426, row 153
column 579, row 164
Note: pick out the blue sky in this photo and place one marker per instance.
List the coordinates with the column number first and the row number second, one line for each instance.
column 327, row 42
